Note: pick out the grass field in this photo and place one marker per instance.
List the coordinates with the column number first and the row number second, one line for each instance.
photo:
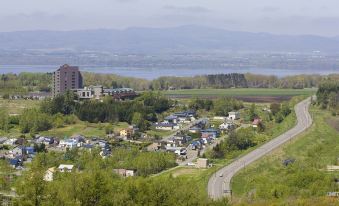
column 83, row 128
column 246, row 94
column 269, row 180
column 15, row 107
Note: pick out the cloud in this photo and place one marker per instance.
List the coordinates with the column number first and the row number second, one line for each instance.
column 187, row 9
column 126, row 1
column 269, row 9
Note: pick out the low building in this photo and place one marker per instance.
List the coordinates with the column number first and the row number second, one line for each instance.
column 227, row 126
column 49, row 174
column 210, row 131
column 171, row 119
column 166, row 126
column 194, row 130
column 256, row 122
column 126, row 133
column 65, row 168
column 234, row 115
column 68, row 143
column 202, row 163
column 85, row 93
column 125, row 172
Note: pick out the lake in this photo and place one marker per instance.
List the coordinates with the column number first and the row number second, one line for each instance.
column 152, row 73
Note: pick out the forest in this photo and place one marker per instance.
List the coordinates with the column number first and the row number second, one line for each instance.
column 328, row 96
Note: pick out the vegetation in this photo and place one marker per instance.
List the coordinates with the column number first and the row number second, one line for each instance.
column 97, row 184
column 140, row 111
column 26, row 82
column 328, row 96
column 305, row 177
column 240, row 92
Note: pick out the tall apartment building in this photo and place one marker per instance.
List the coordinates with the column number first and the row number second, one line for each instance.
column 66, row 78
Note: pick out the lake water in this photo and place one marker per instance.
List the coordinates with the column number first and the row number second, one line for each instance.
column 152, row 73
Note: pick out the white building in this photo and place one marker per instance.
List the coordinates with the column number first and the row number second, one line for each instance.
column 65, row 168
column 85, row 93
column 234, row 115
column 49, row 174
column 68, row 143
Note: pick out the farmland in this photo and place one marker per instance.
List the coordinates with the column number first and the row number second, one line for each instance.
column 245, row 94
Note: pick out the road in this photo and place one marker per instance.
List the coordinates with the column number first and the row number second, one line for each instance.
column 219, row 184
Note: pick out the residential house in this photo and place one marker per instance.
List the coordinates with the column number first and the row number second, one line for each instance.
column 10, row 142
column 194, row 130
column 256, row 122
column 68, row 143
column 166, row 126
column 49, row 174
column 196, row 145
column 126, row 133
column 202, row 163
column 125, row 172
column 171, row 119
column 17, row 151
column 227, row 126
column 213, row 132
column 234, row 115
column 184, row 117
column 65, row 168
column 15, row 162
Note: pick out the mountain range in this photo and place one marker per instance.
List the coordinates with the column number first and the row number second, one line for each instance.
column 183, row 39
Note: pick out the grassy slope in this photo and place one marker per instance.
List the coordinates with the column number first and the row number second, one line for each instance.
column 242, row 92
column 83, row 128
column 17, row 106
column 268, row 179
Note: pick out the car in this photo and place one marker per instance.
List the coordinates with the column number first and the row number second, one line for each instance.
column 221, row 175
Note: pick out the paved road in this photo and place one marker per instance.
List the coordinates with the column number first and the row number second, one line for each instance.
column 220, row 186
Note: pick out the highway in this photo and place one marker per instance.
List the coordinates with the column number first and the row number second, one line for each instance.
column 219, row 184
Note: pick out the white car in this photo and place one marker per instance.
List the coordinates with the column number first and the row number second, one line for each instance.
column 221, row 175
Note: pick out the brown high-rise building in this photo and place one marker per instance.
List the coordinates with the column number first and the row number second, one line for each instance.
column 66, row 78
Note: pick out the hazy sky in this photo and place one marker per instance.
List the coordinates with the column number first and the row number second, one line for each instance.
column 276, row 16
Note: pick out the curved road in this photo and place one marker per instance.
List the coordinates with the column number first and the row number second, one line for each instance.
column 219, row 183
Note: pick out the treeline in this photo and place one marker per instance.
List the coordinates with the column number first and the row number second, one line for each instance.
column 25, row 82
column 97, row 184
column 220, row 107
column 328, row 96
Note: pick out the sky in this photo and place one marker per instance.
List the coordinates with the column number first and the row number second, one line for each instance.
column 318, row 17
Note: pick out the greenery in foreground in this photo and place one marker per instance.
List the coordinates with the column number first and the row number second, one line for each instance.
column 269, row 180
column 97, row 184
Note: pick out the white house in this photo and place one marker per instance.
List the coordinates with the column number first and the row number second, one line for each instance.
column 234, row 115
column 227, row 126
column 68, row 143
column 49, row 174
column 65, row 168
column 10, row 142
column 166, row 126
column 125, row 172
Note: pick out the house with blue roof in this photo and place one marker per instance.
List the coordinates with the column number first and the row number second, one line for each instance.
column 210, row 131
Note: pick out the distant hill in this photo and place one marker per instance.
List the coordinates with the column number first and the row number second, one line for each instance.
column 165, row 40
